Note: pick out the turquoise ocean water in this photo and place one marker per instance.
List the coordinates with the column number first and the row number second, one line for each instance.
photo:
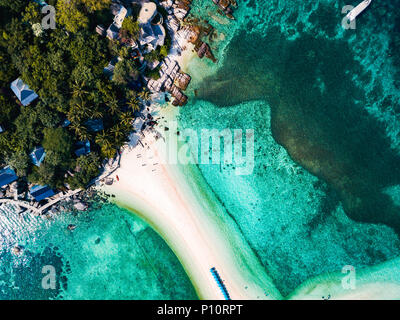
column 325, row 191
column 324, row 104
column 110, row 255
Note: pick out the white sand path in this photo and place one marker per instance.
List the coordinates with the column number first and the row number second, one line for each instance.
column 178, row 204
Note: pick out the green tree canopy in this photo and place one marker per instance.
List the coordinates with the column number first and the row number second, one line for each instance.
column 71, row 16
column 131, row 27
column 19, row 161
column 96, row 5
column 32, row 13
column 58, row 144
column 45, row 174
column 87, row 169
column 14, row 5
column 125, row 71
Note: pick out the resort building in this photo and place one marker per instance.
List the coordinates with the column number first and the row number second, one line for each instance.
column 37, row 156
column 112, row 32
column 40, row 193
column 100, row 30
column 24, row 94
column 147, row 12
column 7, row 175
column 113, row 29
column 152, row 33
column 95, row 125
column 83, row 148
column 40, row 3
column 109, row 69
column 120, row 17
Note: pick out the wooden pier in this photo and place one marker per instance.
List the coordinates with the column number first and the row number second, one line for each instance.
column 220, row 283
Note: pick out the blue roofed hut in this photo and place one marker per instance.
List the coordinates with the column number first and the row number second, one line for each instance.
column 7, row 175
column 40, row 193
column 24, row 94
column 83, row 148
column 95, row 125
column 37, row 156
column 40, row 2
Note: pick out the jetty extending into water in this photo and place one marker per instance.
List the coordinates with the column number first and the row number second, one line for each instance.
column 35, row 207
column 21, row 203
column 42, row 209
column 220, row 283
column 358, row 10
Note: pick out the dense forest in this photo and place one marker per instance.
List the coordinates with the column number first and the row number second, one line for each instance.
column 64, row 66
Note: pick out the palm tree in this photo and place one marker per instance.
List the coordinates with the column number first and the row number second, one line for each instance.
column 134, row 104
column 78, row 89
column 80, row 131
column 108, row 151
column 76, row 127
column 96, row 113
column 113, row 105
column 73, row 116
column 80, row 110
column 144, row 94
column 84, row 135
column 107, row 148
column 118, row 134
column 126, row 118
column 102, row 139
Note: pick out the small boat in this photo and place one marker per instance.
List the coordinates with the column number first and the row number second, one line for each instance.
column 17, row 250
column 357, row 10
column 71, row 227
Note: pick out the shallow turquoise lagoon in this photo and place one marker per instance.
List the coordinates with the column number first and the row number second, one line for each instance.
column 325, row 191
column 327, row 195
column 110, row 255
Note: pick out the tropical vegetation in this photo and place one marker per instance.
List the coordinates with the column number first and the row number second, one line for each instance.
column 64, row 66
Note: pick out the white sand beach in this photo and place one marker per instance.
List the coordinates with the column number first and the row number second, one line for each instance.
column 175, row 200
column 379, row 282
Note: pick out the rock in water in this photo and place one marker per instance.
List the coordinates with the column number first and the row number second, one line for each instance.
column 80, row 206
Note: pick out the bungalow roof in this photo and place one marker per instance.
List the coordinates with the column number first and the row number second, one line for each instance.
column 41, row 192
column 7, row 175
column 24, row 94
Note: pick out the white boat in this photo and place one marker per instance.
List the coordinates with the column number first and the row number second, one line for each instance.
column 357, row 10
